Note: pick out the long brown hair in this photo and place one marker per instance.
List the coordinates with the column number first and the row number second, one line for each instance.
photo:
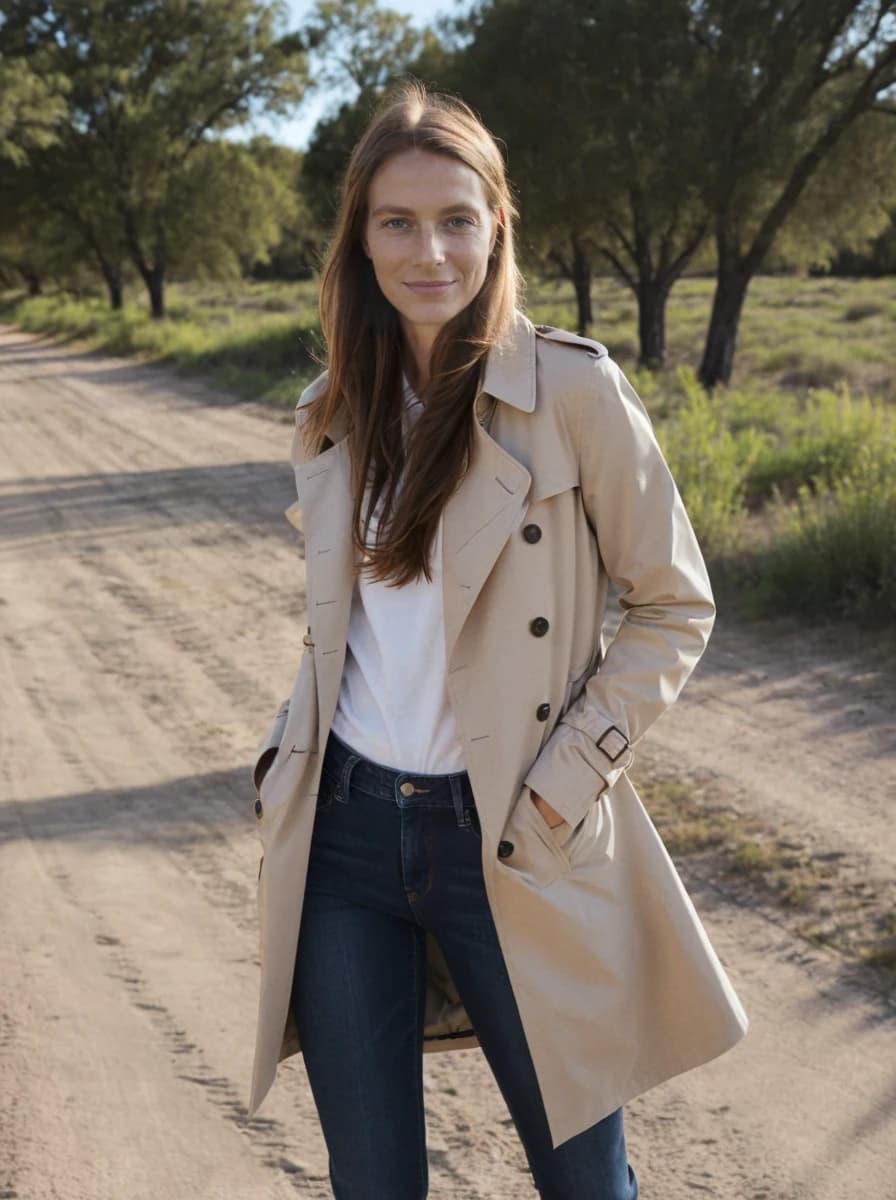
column 364, row 340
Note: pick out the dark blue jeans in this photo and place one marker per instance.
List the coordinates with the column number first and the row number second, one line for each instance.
column 384, row 869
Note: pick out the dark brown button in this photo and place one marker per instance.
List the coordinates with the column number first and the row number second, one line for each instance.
column 258, row 808
column 505, row 849
column 543, row 712
column 539, row 626
column 532, row 533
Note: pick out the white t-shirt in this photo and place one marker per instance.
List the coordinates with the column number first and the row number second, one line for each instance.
column 393, row 704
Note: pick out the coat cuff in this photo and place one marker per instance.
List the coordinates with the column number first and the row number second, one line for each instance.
column 576, row 766
column 268, row 746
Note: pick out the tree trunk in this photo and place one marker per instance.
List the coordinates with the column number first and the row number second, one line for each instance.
column 114, row 285
column 652, row 296
column 154, row 278
column 32, row 279
column 152, row 273
column 116, row 291
column 581, row 281
column 155, row 283
column 721, row 336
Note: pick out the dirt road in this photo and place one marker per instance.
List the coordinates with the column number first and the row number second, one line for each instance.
column 151, row 611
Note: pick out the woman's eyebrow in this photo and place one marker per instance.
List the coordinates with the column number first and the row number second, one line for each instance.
column 409, row 212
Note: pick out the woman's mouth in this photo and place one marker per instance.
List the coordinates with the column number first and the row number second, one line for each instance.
column 426, row 289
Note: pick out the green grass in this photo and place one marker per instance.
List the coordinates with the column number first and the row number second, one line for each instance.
column 252, row 341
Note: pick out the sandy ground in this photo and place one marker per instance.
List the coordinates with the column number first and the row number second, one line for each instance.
column 151, row 615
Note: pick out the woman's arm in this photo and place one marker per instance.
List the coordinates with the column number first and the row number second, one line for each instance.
column 649, row 550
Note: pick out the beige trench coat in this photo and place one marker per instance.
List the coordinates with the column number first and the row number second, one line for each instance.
column 617, row 984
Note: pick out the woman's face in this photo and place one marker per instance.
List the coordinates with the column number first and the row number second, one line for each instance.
column 429, row 232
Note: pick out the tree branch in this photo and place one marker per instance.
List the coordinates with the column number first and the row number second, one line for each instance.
column 617, row 266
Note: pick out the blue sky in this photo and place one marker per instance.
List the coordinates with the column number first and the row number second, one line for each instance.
column 296, row 131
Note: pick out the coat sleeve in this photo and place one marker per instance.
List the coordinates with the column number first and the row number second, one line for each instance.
column 648, row 548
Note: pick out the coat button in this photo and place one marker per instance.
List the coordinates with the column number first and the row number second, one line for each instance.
column 505, row 849
column 543, row 712
column 539, row 626
column 258, row 808
column 532, row 533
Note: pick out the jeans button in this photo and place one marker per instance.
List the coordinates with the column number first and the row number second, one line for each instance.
column 505, row 849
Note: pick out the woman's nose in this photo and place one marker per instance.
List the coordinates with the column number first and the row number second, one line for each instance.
column 431, row 247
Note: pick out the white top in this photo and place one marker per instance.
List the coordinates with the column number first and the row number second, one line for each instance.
column 393, row 704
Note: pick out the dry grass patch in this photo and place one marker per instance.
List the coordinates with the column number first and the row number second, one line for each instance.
column 824, row 896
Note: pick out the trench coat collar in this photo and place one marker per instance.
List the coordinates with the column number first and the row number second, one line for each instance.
column 508, row 374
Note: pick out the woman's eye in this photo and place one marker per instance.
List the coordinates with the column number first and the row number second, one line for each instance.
column 453, row 222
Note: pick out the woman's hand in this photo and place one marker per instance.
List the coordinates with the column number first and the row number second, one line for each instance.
column 551, row 816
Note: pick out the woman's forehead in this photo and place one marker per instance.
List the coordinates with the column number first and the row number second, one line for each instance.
column 415, row 179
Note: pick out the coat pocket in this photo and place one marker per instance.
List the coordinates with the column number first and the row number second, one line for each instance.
column 298, row 740
column 537, row 852
column 544, row 854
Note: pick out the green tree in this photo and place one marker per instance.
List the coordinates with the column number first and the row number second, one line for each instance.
column 833, row 214
column 360, row 48
column 295, row 253
column 31, row 106
column 780, row 87
column 149, row 84
column 229, row 208
column 600, row 142
column 37, row 245
column 359, row 43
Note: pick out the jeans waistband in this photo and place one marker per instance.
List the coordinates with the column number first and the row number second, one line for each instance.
column 406, row 788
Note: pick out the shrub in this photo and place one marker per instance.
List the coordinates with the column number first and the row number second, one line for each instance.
column 710, row 464
column 816, row 446
column 835, row 554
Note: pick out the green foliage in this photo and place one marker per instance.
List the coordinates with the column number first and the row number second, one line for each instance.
column 711, row 465
column 228, row 208
column 32, row 103
column 811, row 446
column 148, row 85
column 252, row 353
column 608, row 162
column 833, row 214
column 835, row 553
column 360, row 43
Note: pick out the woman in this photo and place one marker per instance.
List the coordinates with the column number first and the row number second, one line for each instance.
column 453, row 854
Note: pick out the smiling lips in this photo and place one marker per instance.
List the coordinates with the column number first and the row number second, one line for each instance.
column 424, row 286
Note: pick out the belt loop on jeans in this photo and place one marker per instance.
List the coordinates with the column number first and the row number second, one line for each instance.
column 457, row 798
column 341, row 791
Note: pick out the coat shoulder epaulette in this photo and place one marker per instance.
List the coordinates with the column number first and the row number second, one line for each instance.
column 553, row 334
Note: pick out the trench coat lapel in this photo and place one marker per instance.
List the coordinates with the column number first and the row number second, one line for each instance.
column 478, row 518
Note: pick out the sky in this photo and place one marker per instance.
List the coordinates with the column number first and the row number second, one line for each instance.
column 296, row 131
